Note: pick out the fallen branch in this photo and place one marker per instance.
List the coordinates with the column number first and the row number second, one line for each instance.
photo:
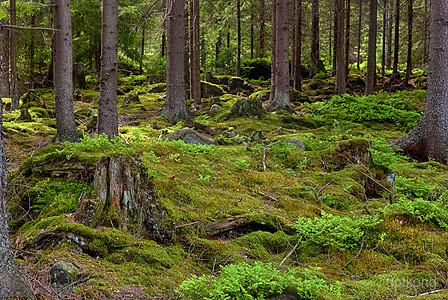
column 371, row 178
column 29, row 28
column 357, row 254
column 264, row 157
column 290, row 253
column 428, row 293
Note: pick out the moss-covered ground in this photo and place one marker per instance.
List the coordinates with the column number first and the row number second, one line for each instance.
column 347, row 170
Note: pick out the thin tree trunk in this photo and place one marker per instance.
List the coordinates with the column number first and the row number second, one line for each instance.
column 298, row 46
column 238, row 47
column 273, row 51
column 347, row 36
column 191, row 48
column 330, row 43
column 4, row 77
column 218, row 45
column 410, row 23
column 107, row 103
column 371, row 59
column 13, row 57
column 32, row 52
column 187, row 49
column 389, row 27
column 261, row 33
column 195, row 57
column 163, row 50
column 397, row 37
column 142, row 50
column 63, row 73
column 252, row 34
column 383, row 49
column 281, row 96
column 175, row 108
column 425, row 35
column 335, row 34
column 12, row 284
column 358, row 61
column 315, row 56
column 340, row 59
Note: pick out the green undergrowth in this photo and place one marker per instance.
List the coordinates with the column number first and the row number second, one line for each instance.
column 364, row 213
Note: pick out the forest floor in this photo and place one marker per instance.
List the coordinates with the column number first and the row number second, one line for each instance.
column 318, row 186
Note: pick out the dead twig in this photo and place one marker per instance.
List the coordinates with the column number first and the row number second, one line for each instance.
column 429, row 293
column 357, row 254
column 290, row 253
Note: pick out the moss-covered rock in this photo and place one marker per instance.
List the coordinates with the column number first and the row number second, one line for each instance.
column 247, row 108
column 210, row 90
column 299, row 97
column 262, row 95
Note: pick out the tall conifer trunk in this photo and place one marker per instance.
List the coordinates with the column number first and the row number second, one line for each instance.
column 371, row 59
column 107, row 103
column 13, row 57
column 63, row 73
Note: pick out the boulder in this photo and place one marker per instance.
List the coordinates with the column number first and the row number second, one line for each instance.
column 247, row 108
column 215, row 108
column 189, row 136
column 298, row 97
column 262, row 95
column 210, row 90
column 238, row 85
column 62, row 274
column 297, row 143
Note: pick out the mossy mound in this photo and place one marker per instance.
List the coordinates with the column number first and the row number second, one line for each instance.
column 247, row 108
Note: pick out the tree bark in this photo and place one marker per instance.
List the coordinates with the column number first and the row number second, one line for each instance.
column 273, row 51
column 429, row 139
column 4, row 76
column 195, row 58
column 340, row 58
column 261, row 32
column 12, row 284
column 298, row 46
column 238, row 47
column 347, row 36
column 335, row 34
column 358, row 61
column 13, row 57
column 281, row 96
column 315, row 56
column 63, row 73
column 410, row 23
column 425, row 35
column 389, row 27
column 252, row 34
column 383, row 49
column 32, row 51
column 397, row 37
column 142, row 50
column 371, row 59
column 107, row 103
column 175, row 108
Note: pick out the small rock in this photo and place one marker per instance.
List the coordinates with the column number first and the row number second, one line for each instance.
column 355, row 277
column 298, row 143
column 257, row 135
column 214, row 109
column 62, row 274
column 189, row 136
column 231, row 134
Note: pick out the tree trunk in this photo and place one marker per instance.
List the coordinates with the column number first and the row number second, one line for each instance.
column 425, row 35
column 383, row 49
column 281, row 96
column 218, row 45
column 12, row 284
column 187, row 49
column 340, row 59
column 163, row 50
column 429, row 139
column 335, row 34
column 107, row 103
column 298, row 46
column 397, row 37
column 4, row 76
column 330, row 43
column 252, row 34
column 371, row 58
column 142, row 51
column 195, row 58
column 13, row 57
column 238, row 47
column 347, row 36
column 389, row 27
column 358, row 61
column 410, row 23
column 32, row 52
column 63, row 73
column 261, row 32
column 315, row 57
column 175, row 109
column 273, row 51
